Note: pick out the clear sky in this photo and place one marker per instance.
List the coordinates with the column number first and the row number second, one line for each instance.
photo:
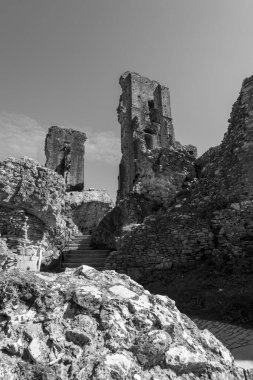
column 61, row 61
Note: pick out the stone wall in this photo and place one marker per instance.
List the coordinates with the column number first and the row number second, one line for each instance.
column 146, row 133
column 210, row 218
column 132, row 209
column 154, row 166
column 64, row 149
column 32, row 210
column 88, row 208
column 181, row 239
column 25, row 234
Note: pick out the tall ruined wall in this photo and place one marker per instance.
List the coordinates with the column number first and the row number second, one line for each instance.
column 211, row 218
column 154, row 166
column 145, row 117
column 64, row 149
column 153, row 163
column 227, row 169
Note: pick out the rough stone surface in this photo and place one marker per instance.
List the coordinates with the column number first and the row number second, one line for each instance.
column 208, row 217
column 129, row 211
column 32, row 209
column 88, row 208
column 6, row 254
column 154, row 166
column 85, row 324
column 153, row 163
column 64, row 149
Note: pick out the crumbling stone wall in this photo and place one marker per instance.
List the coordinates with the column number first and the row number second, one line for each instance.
column 64, row 149
column 147, row 141
column 132, row 209
column 32, row 209
column 211, row 217
column 88, row 208
column 162, row 242
column 24, row 234
column 154, row 166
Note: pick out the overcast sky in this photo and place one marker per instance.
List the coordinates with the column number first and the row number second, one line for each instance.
column 61, row 61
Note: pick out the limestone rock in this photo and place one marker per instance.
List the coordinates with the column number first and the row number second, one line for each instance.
column 32, row 210
column 7, row 258
column 85, row 324
column 26, row 184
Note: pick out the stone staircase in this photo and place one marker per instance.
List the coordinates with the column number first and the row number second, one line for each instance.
column 79, row 252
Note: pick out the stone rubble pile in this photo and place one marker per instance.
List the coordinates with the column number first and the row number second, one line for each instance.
column 32, row 211
column 85, row 324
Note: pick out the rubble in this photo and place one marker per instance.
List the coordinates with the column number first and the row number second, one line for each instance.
column 85, row 324
column 33, row 220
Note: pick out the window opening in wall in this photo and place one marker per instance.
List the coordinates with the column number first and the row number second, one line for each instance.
column 150, row 130
column 149, row 140
column 154, row 114
column 151, row 105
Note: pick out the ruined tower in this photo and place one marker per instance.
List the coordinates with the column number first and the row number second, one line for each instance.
column 64, row 149
column 146, row 125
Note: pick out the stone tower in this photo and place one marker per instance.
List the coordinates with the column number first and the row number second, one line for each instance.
column 64, row 149
column 146, row 125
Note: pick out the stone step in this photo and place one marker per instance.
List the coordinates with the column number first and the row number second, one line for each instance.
column 78, row 248
column 81, row 234
column 85, row 256
column 87, row 261
column 79, row 252
column 87, row 251
column 80, row 242
column 72, row 247
column 76, row 265
column 83, row 237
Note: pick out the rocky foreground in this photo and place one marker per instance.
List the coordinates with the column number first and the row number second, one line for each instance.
column 85, row 324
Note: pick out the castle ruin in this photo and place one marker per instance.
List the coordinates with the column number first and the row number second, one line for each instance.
column 145, row 116
column 64, row 149
column 209, row 215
